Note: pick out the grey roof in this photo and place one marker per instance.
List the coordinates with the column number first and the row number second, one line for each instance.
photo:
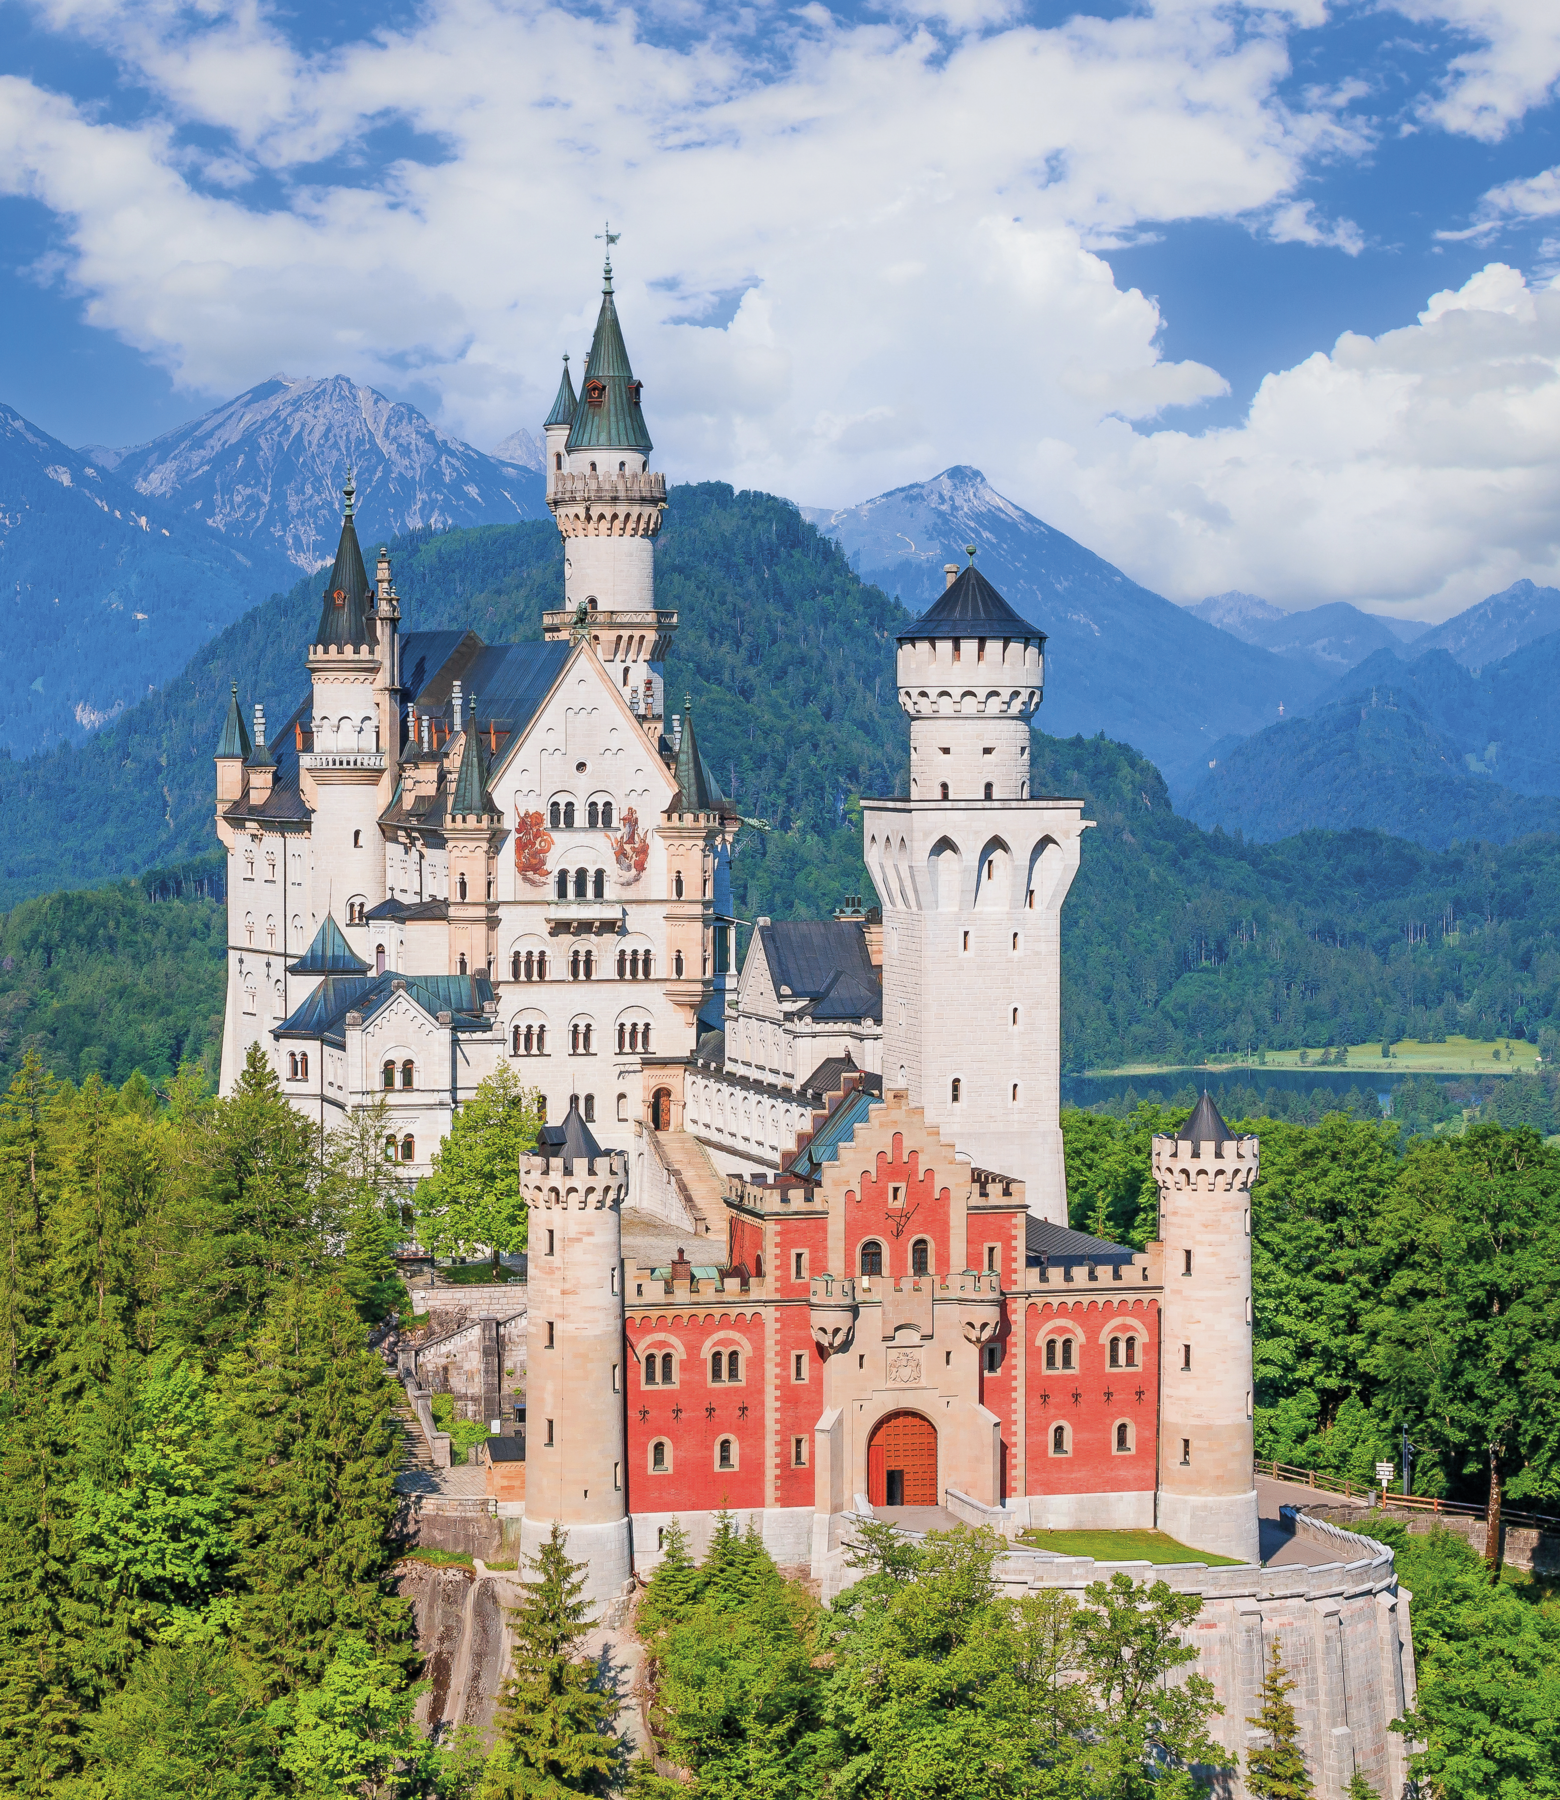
column 285, row 802
column 696, row 789
column 572, row 1140
column 613, row 421
column 1205, row 1125
column 329, row 954
column 345, row 611
column 323, row 1014
column 563, row 407
column 1059, row 1245
column 829, row 1076
column 409, row 911
column 971, row 607
column 235, row 735
column 469, row 796
column 824, row 961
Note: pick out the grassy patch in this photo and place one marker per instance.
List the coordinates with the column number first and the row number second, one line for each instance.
column 1122, row 1546
column 503, row 1565
column 478, row 1274
column 439, row 1558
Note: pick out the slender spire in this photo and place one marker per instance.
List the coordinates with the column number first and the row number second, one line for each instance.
column 345, row 613
column 608, row 415
column 235, row 734
column 565, row 406
column 470, row 793
column 696, row 792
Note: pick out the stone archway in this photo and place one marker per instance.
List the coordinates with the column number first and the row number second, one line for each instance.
column 902, row 1461
column 661, row 1110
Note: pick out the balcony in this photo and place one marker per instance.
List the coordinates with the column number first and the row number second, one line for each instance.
column 316, row 761
column 610, row 488
column 575, row 917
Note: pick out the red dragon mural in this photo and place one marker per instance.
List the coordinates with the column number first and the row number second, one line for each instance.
column 532, row 842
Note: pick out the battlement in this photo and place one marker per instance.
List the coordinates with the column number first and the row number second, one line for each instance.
column 1202, row 1166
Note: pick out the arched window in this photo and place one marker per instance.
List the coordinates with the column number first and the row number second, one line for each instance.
column 574, row 965
column 989, row 793
column 389, row 1074
column 590, row 964
column 1059, row 1441
column 408, row 1150
column 390, row 1149
column 303, row 1066
column 622, row 965
column 514, row 967
column 598, row 886
column 677, row 962
column 1115, row 1353
column 633, row 965
column 292, row 1066
column 1123, row 1436
column 581, row 884
column 606, row 808
column 1050, row 1353
column 944, row 790
column 650, row 1377
column 460, row 886
column 644, row 965
column 1132, row 1352
column 666, row 1369
column 1067, row 1353
column 515, row 1042
column 541, row 965
column 717, row 1367
column 659, row 1461
column 555, row 815
column 726, row 1455
column 593, row 815
column 407, row 1075
column 871, row 1257
column 953, row 1092
column 733, row 1365
column 590, row 1109
column 677, row 885
column 379, row 959
column 622, row 1037
column 460, row 966
column 920, row 1257
column 563, row 884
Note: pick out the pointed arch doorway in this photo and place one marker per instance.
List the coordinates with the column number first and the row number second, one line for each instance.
column 902, row 1461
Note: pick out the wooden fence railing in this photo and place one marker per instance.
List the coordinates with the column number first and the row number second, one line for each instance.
column 1340, row 1484
column 1317, row 1478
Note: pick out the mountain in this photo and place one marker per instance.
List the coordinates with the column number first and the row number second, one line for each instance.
column 1239, row 614
column 1120, row 659
column 1425, row 748
column 522, row 450
column 106, row 591
column 267, row 469
column 1496, row 627
column 1335, row 636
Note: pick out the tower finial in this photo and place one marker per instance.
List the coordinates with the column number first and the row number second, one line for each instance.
column 349, row 492
column 611, row 237
column 969, row 551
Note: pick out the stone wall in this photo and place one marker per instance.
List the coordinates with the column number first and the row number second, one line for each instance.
column 481, row 1362
column 1525, row 1547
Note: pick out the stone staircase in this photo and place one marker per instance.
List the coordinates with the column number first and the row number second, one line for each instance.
column 700, row 1183
column 414, row 1446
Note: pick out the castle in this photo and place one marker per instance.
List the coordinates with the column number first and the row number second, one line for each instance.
column 798, row 1241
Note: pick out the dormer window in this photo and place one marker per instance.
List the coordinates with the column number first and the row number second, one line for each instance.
column 595, row 391
column 635, row 388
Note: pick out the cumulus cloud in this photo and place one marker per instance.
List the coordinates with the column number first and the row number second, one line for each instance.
column 1511, row 63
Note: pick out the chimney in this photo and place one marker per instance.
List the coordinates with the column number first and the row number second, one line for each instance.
column 455, row 707
column 424, row 723
column 950, row 575
column 382, row 574
column 259, row 726
column 676, row 733
column 872, row 931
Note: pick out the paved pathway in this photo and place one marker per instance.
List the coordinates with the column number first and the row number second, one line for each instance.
column 1280, row 1546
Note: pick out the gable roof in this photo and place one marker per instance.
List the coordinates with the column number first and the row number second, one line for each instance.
column 1059, row 1245
column 825, row 962
column 614, row 422
column 345, row 608
column 824, row 1145
column 322, row 1016
column 971, row 607
column 329, row 954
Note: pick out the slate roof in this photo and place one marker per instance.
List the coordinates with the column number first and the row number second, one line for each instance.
column 696, row 789
column 1205, row 1125
column 1059, row 1245
column 323, row 1014
column 410, row 911
column 613, row 422
column 838, row 1128
column 572, row 1140
column 345, row 611
column 824, row 961
column 235, row 735
column 329, row 954
column 971, row 607
column 829, row 1076
column 285, row 800
column 563, row 407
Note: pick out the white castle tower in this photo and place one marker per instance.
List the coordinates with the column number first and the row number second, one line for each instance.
column 1206, row 1493
column 972, row 871
column 576, row 1475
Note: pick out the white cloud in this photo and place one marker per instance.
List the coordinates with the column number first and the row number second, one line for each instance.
column 1534, row 197
column 1511, row 64
column 1297, row 223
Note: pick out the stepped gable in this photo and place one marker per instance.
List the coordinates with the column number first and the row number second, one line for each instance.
column 346, row 608
column 608, row 416
column 329, row 954
column 235, row 735
column 824, row 961
column 565, row 406
column 970, row 607
column 1205, row 1125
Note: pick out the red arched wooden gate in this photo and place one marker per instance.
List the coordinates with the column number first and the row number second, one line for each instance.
column 902, row 1461
column 661, row 1110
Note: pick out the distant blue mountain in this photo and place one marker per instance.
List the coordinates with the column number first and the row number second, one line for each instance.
column 1120, row 659
column 1492, row 630
column 1334, row 637
column 105, row 592
column 267, row 469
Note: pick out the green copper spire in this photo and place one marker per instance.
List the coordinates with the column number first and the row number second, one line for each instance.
column 608, row 417
column 564, row 406
column 345, row 613
column 696, row 792
column 470, row 794
column 235, row 734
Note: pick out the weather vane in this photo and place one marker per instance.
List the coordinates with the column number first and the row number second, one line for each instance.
column 609, row 234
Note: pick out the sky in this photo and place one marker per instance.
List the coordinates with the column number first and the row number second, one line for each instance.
column 1257, row 297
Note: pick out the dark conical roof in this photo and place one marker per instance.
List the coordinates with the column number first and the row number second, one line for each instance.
column 971, row 607
column 572, row 1140
column 564, row 406
column 696, row 792
column 612, row 419
column 345, row 613
column 470, row 791
column 329, row 954
column 235, row 734
column 1205, row 1126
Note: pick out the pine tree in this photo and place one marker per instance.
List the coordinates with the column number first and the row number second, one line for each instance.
column 674, row 1586
column 1275, row 1770
column 556, row 1722
column 367, row 1198
column 1359, row 1788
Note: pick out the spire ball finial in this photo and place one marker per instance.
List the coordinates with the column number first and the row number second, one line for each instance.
column 969, row 551
column 349, row 492
column 610, row 237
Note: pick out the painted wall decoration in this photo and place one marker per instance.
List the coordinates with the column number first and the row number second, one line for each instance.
column 532, row 842
column 630, row 848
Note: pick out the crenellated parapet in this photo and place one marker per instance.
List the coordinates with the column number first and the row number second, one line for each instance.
column 581, row 1184
column 1182, row 1165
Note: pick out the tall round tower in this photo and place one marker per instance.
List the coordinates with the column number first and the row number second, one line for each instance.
column 1207, row 1497
column 576, row 1476
column 972, row 870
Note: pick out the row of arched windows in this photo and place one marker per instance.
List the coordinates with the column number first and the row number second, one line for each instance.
column 920, row 1257
column 661, row 1455
column 725, row 1367
column 586, row 886
column 530, row 967
column 598, row 816
column 633, row 965
column 1059, row 1352
column 404, row 1150
column 298, row 1065
column 408, row 1075
column 1123, row 1439
column 529, row 1040
column 634, row 1037
column 579, row 1039
column 582, row 965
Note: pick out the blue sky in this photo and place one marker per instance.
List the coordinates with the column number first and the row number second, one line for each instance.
column 1241, row 296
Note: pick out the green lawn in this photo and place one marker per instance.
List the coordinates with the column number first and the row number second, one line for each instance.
column 1122, row 1546
column 478, row 1274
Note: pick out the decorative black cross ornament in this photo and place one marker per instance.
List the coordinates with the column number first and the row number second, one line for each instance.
column 1109, row 1396
column 676, row 1412
column 644, row 1413
column 742, row 1410
column 709, row 1411
column 1077, row 1397
column 1045, row 1399
column 1140, row 1396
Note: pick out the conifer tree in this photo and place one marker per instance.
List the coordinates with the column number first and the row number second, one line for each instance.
column 556, row 1722
column 674, row 1586
column 367, row 1199
column 1275, row 1770
column 1359, row 1788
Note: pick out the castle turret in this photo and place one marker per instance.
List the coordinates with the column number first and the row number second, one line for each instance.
column 1207, row 1497
column 609, row 506
column 576, row 1475
column 233, row 751
column 972, row 871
